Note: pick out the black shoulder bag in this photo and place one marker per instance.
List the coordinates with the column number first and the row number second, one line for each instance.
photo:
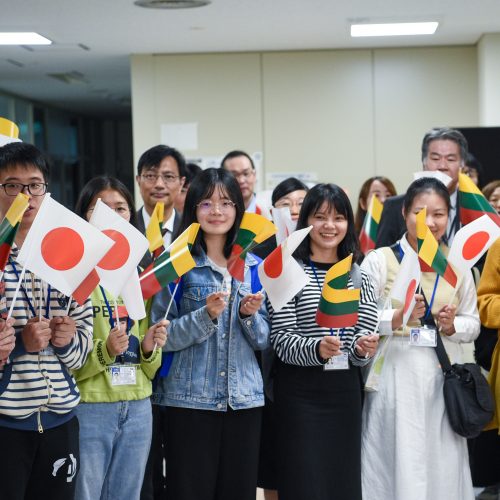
column 467, row 396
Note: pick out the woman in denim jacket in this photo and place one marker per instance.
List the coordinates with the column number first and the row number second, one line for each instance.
column 214, row 391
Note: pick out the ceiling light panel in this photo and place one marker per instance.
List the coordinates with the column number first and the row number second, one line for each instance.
column 23, row 38
column 394, row 29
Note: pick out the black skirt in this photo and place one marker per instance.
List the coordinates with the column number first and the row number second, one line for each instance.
column 319, row 433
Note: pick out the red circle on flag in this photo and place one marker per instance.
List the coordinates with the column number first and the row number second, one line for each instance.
column 54, row 241
column 119, row 252
column 273, row 265
column 410, row 292
column 474, row 244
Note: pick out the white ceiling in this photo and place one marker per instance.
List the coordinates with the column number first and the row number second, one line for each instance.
column 94, row 38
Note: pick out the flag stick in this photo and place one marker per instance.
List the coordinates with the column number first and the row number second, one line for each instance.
column 384, row 307
column 40, row 301
column 16, row 293
column 117, row 320
column 69, row 306
column 168, row 307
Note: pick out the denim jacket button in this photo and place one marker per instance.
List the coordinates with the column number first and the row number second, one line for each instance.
column 248, row 322
column 222, row 374
column 219, row 405
column 223, row 335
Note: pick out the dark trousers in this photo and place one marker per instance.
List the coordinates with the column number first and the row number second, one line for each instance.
column 37, row 465
column 153, row 486
column 212, row 455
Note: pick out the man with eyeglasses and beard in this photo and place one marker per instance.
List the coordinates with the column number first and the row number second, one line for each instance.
column 161, row 172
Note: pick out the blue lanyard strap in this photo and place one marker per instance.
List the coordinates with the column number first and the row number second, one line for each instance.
column 313, row 267
column 28, row 300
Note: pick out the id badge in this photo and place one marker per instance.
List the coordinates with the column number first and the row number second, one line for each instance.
column 423, row 337
column 122, row 375
column 340, row 362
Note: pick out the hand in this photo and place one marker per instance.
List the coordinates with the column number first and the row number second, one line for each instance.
column 250, row 303
column 63, row 330
column 36, row 334
column 7, row 340
column 117, row 341
column 367, row 345
column 445, row 319
column 419, row 309
column 156, row 335
column 329, row 346
column 216, row 304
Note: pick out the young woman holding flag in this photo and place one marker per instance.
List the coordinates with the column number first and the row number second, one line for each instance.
column 317, row 385
column 409, row 448
column 214, row 391
column 115, row 382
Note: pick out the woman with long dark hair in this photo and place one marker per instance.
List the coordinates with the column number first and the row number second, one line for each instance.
column 214, row 391
column 317, row 386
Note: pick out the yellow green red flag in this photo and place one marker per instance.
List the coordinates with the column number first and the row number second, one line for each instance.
column 368, row 234
column 472, row 202
column 10, row 225
column 153, row 231
column 429, row 251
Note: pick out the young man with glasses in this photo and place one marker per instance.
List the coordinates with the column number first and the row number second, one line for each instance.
column 38, row 428
column 160, row 176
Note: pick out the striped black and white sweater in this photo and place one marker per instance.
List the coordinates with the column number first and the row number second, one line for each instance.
column 295, row 335
column 37, row 390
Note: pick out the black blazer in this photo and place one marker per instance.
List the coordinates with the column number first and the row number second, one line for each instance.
column 146, row 260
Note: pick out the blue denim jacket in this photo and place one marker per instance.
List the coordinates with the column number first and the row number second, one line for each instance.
column 214, row 363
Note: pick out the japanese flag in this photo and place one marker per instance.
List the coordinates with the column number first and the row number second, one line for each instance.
column 283, row 222
column 130, row 245
column 132, row 297
column 472, row 241
column 62, row 248
column 280, row 274
column 406, row 283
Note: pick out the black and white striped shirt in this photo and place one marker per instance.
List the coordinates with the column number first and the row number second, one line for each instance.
column 295, row 335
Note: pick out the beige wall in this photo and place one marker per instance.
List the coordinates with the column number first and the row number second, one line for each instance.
column 345, row 114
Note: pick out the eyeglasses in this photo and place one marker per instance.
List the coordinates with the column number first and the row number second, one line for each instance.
column 153, row 178
column 34, row 188
column 119, row 210
column 208, row 206
column 289, row 204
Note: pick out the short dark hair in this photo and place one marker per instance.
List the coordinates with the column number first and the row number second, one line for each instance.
column 425, row 185
column 445, row 134
column 235, row 154
column 202, row 187
column 472, row 162
column 98, row 184
column 21, row 154
column 287, row 186
column 489, row 188
column 192, row 170
column 335, row 197
column 155, row 155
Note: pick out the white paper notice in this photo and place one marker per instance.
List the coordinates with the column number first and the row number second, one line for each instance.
column 183, row 136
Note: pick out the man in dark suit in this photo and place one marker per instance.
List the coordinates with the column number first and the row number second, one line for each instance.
column 160, row 176
column 443, row 150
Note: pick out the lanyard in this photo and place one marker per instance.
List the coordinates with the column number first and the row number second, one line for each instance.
column 433, row 296
column 313, row 267
column 28, row 300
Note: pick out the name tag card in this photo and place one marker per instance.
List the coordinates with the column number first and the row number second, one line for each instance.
column 340, row 362
column 423, row 337
column 122, row 375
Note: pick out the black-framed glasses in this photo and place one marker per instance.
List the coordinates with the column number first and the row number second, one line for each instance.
column 34, row 188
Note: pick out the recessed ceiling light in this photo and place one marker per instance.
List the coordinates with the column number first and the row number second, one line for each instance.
column 394, row 29
column 23, row 38
column 171, row 4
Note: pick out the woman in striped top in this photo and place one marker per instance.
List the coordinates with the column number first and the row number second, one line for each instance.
column 318, row 382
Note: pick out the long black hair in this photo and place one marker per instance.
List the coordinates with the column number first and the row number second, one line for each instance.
column 334, row 197
column 201, row 188
column 98, row 184
column 287, row 186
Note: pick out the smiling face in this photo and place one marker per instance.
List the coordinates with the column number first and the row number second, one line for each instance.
column 21, row 175
column 328, row 231
column 244, row 173
column 216, row 214
column 437, row 216
column 161, row 183
column 444, row 155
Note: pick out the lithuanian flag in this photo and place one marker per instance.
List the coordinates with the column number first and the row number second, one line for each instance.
column 170, row 265
column 368, row 234
column 338, row 306
column 10, row 225
column 472, row 202
column 254, row 229
column 429, row 251
column 153, row 231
